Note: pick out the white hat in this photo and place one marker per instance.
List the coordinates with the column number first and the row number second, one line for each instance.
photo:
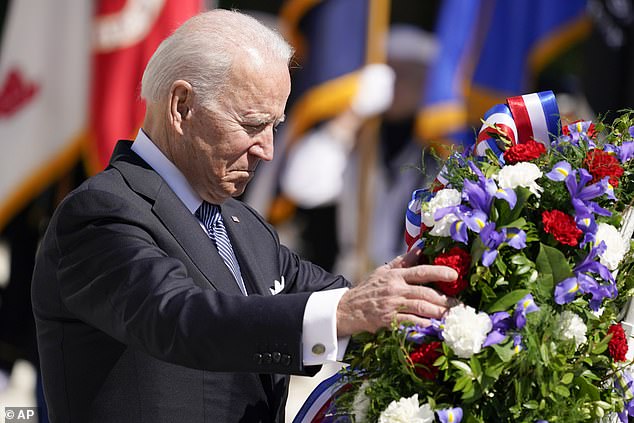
column 409, row 42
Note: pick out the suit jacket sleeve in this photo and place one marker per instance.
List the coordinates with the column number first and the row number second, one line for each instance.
column 114, row 276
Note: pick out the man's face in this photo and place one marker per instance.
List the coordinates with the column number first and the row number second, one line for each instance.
column 222, row 147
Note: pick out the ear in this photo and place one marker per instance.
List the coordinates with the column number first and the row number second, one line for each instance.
column 181, row 100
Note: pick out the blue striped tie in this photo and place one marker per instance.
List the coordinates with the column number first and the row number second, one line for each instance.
column 209, row 215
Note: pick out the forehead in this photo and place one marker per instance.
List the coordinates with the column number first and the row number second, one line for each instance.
column 257, row 85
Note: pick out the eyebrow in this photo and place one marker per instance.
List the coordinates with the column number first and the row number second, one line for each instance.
column 262, row 121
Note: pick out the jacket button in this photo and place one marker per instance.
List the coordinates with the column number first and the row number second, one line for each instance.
column 276, row 357
column 286, row 359
column 266, row 358
column 257, row 357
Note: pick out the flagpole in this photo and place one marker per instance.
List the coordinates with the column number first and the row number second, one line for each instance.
column 378, row 22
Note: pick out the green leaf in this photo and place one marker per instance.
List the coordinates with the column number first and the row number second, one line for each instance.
column 461, row 382
column 562, row 390
column 505, row 353
column 494, row 371
column 531, row 405
column 508, row 300
column 462, row 366
column 567, row 378
column 553, row 262
column 517, row 223
column 599, row 348
column 508, row 216
column 476, row 369
column 523, row 269
column 587, row 388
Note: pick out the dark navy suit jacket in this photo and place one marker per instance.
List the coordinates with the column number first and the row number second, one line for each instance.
column 139, row 320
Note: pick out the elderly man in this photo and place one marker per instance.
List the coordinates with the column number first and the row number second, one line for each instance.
column 158, row 297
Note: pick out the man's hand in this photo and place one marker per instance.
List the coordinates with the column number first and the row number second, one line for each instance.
column 394, row 291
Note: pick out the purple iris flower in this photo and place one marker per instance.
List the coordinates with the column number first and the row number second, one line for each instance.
column 479, row 194
column 501, row 322
column 567, row 290
column 450, row 415
column 560, row 171
column 626, row 151
column 516, row 238
column 581, row 193
column 588, row 226
column 517, row 343
column 458, row 231
column 579, row 132
column 418, row 333
column 476, row 220
column 522, row 308
column 492, row 240
column 590, row 264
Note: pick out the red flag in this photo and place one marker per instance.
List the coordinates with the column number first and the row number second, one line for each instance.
column 126, row 34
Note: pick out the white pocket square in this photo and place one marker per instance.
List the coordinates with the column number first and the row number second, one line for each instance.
column 277, row 286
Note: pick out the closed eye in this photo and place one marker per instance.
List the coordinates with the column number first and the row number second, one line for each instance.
column 255, row 129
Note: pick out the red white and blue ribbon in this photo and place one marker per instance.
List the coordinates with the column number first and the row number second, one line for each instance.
column 527, row 117
column 498, row 120
column 319, row 407
column 413, row 218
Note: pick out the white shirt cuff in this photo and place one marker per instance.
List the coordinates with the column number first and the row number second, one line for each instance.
column 319, row 336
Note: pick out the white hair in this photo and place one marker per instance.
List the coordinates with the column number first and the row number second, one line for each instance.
column 202, row 50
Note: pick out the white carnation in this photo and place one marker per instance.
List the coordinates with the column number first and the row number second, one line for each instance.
column 522, row 174
column 407, row 410
column 444, row 198
column 617, row 247
column 571, row 327
column 465, row 330
column 361, row 403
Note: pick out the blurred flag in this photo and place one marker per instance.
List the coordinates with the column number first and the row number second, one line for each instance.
column 126, row 33
column 333, row 40
column 44, row 71
column 491, row 50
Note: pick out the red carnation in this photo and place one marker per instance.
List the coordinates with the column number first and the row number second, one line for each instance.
column 618, row 344
column 425, row 355
column 525, row 152
column 562, row 226
column 459, row 260
column 601, row 164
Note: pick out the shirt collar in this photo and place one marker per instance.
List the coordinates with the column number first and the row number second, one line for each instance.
column 174, row 178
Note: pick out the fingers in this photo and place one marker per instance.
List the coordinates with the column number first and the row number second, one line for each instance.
column 409, row 259
column 428, row 273
column 423, row 309
column 429, row 295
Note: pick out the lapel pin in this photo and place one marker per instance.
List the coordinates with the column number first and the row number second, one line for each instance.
column 235, row 219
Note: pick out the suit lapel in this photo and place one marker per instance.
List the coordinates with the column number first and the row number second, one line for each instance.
column 176, row 218
column 185, row 228
column 242, row 242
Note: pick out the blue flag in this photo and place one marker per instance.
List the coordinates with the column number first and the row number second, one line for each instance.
column 334, row 39
column 491, row 50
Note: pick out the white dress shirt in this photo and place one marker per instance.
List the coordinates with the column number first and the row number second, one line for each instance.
column 319, row 334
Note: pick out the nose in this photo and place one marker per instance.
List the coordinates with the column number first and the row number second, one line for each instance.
column 263, row 148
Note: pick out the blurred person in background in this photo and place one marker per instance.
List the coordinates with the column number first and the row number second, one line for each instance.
column 323, row 168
